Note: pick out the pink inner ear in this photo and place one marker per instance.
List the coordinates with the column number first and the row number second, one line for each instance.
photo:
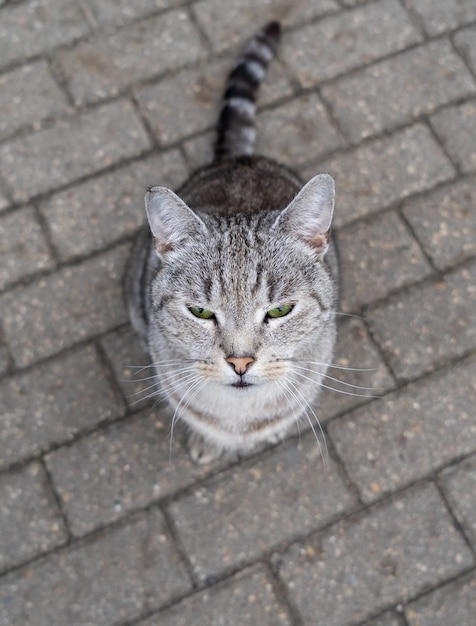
column 162, row 247
column 320, row 241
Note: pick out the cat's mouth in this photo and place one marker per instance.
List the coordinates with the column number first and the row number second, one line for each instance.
column 241, row 384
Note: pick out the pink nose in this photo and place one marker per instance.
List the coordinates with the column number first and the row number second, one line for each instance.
column 240, row 363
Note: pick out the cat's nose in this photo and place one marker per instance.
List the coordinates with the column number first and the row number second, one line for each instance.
column 240, row 363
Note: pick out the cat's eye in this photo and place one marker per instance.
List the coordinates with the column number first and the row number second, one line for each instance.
column 203, row 314
column 280, row 311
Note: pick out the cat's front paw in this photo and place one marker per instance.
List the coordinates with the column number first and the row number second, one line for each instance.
column 202, row 451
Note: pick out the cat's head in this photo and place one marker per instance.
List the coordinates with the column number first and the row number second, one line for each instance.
column 242, row 296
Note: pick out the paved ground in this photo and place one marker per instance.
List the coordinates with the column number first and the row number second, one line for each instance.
column 98, row 100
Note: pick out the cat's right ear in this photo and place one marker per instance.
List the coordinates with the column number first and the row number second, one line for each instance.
column 170, row 219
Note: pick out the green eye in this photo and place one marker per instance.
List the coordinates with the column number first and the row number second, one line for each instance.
column 280, row 311
column 203, row 314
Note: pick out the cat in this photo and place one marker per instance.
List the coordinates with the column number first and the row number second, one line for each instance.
column 233, row 284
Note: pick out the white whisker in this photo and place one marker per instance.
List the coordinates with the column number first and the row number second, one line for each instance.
column 337, row 380
column 304, row 404
column 347, row 393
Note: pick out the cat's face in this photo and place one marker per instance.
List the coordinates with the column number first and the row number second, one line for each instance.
column 239, row 299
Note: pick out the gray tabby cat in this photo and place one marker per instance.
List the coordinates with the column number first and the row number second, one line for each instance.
column 235, row 291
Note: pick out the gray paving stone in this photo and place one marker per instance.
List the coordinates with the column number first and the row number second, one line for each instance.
column 452, row 604
column 19, row 88
column 29, row 517
column 23, row 249
column 120, row 469
column 445, row 222
column 94, row 214
column 441, row 15
column 66, row 307
column 297, row 131
column 131, row 364
column 459, row 483
column 242, row 17
column 52, row 403
column 465, row 41
column 428, row 325
column 73, row 148
column 384, row 171
column 410, row 433
column 5, row 359
column 3, row 202
column 345, row 41
column 377, row 256
column 218, row 532
column 354, row 350
column 455, row 127
column 109, row 580
column 120, row 12
column 247, row 598
column 199, row 92
column 399, row 89
column 199, row 150
column 387, row 619
column 105, row 66
column 32, row 27
column 378, row 558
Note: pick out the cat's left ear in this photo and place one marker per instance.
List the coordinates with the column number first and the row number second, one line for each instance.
column 309, row 215
column 170, row 219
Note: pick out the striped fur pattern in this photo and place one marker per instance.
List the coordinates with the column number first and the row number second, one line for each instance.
column 236, row 125
column 233, row 285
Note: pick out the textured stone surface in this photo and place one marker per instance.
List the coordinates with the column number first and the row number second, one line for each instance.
column 342, row 42
column 249, row 598
column 406, row 435
column 106, row 65
column 52, row 403
column 358, row 364
column 71, row 149
column 29, row 518
column 387, row 619
column 465, row 41
column 430, row 76
column 113, row 578
column 122, row 468
column 377, row 256
column 82, row 301
column 459, row 483
column 441, row 15
column 414, row 338
column 456, row 128
column 23, row 248
column 452, row 604
column 383, row 171
column 119, row 12
column 31, row 27
column 375, row 560
column 301, row 495
column 242, row 17
column 297, row 131
column 445, row 222
column 92, row 215
column 22, row 86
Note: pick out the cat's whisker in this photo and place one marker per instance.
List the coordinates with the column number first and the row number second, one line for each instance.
column 160, row 389
column 335, row 365
column 170, row 375
column 195, row 386
column 141, row 368
column 305, row 406
column 359, row 317
column 283, row 389
column 337, row 380
column 346, row 393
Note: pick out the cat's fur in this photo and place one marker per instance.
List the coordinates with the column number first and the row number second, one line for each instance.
column 241, row 238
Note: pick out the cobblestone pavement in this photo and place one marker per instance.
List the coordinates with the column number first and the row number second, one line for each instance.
column 98, row 525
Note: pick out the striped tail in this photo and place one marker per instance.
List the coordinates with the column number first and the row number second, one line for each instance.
column 236, row 125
